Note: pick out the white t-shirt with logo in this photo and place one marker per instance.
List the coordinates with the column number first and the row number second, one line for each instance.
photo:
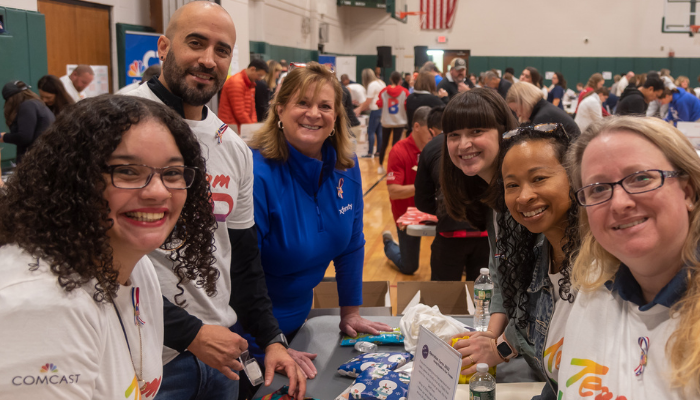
column 64, row 345
column 230, row 175
column 373, row 90
column 555, row 334
column 601, row 350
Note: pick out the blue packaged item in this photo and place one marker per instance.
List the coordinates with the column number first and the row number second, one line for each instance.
column 389, row 361
column 391, row 338
column 380, row 384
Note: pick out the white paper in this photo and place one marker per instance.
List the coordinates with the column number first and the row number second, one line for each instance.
column 436, row 368
column 549, row 75
column 692, row 131
column 607, row 75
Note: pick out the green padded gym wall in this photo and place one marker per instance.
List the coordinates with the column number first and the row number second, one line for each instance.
column 22, row 57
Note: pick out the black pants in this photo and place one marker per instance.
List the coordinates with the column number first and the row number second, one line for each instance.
column 386, row 132
column 450, row 257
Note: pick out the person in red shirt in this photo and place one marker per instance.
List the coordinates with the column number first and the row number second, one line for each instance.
column 237, row 103
column 402, row 167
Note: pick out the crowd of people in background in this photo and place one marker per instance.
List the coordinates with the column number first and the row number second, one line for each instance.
column 521, row 176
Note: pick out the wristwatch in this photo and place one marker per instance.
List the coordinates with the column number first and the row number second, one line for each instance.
column 281, row 339
column 504, row 350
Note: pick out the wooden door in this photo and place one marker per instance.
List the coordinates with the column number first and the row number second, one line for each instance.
column 449, row 55
column 76, row 33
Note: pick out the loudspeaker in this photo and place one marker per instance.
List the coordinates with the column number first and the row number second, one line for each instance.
column 384, row 57
column 420, row 55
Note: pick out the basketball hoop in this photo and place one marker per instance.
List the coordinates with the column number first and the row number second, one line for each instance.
column 404, row 14
column 694, row 29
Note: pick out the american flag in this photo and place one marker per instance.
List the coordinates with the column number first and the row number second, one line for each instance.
column 439, row 14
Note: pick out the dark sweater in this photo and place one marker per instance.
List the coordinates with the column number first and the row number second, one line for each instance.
column 545, row 112
column 428, row 196
column 349, row 109
column 451, row 87
column 631, row 102
column 503, row 87
column 33, row 118
column 417, row 100
column 262, row 99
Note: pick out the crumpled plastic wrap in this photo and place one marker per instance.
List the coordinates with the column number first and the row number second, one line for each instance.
column 432, row 319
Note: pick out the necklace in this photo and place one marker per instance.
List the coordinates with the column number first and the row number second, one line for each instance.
column 135, row 302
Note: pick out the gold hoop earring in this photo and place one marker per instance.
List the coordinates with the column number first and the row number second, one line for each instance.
column 175, row 242
column 280, row 125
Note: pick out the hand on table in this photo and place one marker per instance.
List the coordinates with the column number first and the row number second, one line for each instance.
column 304, row 361
column 477, row 349
column 219, row 348
column 352, row 324
column 279, row 359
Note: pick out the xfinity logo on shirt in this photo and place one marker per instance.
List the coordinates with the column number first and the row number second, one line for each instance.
column 345, row 209
column 54, row 379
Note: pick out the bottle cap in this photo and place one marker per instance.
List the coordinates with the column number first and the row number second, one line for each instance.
column 484, row 271
column 482, row 367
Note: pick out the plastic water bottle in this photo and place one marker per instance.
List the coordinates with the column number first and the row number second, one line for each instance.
column 483, row 288
column 482, row 386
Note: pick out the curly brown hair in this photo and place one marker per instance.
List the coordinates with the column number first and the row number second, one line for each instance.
column 54, row 209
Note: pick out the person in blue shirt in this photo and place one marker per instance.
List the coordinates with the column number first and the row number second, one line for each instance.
column 556, row 91
column 308, row 204
column 682, row 106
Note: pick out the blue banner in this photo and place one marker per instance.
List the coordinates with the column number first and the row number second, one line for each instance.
column 328, row 61
column 140, row 52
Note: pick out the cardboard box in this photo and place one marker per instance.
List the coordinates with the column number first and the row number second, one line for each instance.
column 375, row 299
column 453, row 298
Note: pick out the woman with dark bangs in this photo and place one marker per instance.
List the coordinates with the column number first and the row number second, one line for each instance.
column 535, row 193
column 81, row 308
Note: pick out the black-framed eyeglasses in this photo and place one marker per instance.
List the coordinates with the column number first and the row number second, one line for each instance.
column 636, row 183
column 546, row 128
column 138, row 176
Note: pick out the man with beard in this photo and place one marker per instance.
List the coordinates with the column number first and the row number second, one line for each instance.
column 200, row 350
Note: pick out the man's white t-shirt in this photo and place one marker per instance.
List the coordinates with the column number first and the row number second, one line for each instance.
column 64, row 345
column 230, row 175
column 555, row 334
column 601, row 350
column 70, row 89
column 357, row 93
column 373, row 90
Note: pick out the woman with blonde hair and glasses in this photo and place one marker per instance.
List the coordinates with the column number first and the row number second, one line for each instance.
column 308, row 204
column 633, row 330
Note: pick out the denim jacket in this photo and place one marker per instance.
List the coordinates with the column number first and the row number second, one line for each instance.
column 531, row 341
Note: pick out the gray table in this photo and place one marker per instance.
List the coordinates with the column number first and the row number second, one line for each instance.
column 321, row 336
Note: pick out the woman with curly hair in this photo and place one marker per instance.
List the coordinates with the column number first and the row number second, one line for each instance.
column 538, row 233
column 81, row 307
column 634, row 326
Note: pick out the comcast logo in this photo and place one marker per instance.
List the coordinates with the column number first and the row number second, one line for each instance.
column 50, row 367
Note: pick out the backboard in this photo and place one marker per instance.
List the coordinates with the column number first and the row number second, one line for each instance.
column 679, row 15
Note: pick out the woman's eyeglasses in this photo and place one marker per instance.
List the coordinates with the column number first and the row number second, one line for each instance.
column 638, row 182
column 546, row 128
column 138, row 176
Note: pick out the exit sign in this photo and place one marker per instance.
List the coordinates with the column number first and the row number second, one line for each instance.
column 442, row 39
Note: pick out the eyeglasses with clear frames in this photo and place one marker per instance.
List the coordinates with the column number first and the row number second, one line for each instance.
column 138, row 176
column 636, row 183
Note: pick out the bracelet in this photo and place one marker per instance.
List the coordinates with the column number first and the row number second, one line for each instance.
column 495, row 349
